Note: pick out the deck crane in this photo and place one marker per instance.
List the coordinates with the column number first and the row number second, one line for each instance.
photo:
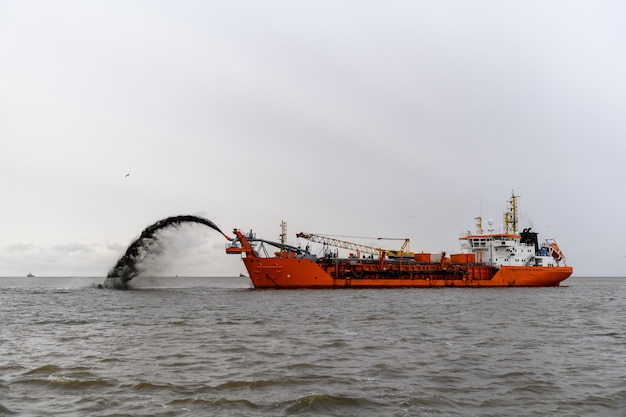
column 329, row 241
column 404, row 249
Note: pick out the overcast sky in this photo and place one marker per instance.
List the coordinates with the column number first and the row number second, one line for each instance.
column 357, row 118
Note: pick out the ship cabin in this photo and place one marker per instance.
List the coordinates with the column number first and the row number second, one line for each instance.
column 508, row 249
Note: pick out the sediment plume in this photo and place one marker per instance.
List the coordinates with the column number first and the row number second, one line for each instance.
column 127, row 267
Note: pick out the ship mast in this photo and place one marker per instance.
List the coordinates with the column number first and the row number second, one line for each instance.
column 479, row 225
column 510, row 216
column 283, row 236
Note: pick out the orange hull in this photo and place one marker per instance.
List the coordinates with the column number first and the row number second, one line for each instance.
column 305, row 273
column 288, row 271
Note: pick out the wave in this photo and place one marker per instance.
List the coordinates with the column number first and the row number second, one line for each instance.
column 66, row 382
column 220, row 403
column 331, row 404
column 290, row 382
column 149, row 386
column 5, row 411
column 44, row 369
column 52, row 376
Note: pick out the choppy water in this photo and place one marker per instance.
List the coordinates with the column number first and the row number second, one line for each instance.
column 212, row 347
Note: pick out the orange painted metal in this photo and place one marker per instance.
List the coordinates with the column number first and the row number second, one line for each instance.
column 463, row 258
column 422, row 257
column 286, row 270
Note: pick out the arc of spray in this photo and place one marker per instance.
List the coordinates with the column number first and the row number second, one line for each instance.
column 126, row 267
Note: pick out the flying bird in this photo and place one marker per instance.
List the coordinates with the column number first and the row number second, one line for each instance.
column 126, row 175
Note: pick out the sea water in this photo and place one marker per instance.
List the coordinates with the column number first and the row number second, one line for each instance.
column 215, row 347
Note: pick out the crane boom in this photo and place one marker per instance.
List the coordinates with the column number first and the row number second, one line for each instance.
column 341, row 243
column 404, row 250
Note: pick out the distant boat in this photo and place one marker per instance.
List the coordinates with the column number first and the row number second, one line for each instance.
column 30, row 275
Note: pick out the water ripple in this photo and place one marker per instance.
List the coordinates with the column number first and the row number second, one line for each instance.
column 223, row 351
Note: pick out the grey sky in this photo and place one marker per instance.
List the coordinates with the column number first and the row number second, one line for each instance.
column 395, row 118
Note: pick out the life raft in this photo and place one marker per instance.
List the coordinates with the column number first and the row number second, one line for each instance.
column 555, row 251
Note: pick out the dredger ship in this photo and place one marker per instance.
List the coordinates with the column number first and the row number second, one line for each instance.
column 488, row 258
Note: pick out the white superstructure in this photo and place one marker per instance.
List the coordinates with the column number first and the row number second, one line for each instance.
column 510, row 248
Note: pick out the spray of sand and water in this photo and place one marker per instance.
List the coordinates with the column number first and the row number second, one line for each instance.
column 128, row 266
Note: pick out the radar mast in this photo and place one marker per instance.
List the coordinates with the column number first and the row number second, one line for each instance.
column 510, row 216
